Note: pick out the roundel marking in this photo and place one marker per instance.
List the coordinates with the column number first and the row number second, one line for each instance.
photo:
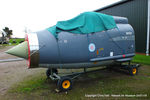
column 91, row 47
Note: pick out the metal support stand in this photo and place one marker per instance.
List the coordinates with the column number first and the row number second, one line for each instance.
column 55, row 76
column 65, row 82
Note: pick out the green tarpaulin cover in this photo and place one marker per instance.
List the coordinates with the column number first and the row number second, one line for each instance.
column 85, row 23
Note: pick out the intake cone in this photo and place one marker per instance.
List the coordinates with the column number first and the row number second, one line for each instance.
column 20, row 50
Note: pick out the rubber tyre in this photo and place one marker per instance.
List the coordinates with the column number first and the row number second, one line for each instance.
column 133, row 71
column 64, row 84
column 48, row 72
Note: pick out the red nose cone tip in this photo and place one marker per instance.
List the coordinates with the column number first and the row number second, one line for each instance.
column 29, row 60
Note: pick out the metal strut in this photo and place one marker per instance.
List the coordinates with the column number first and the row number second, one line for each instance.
column 55, row 76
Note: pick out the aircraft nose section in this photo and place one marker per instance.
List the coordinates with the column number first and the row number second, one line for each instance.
column 20, row 50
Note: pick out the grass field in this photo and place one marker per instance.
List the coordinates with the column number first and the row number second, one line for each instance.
column 17, row 41
column 117, row 82
column 13, row 42
column 141, row 59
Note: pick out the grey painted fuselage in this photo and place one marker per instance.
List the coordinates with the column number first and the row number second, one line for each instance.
column 87, row 50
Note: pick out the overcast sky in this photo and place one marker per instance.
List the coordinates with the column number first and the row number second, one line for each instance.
column 40, row 14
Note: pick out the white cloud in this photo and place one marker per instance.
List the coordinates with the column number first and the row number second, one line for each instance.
column 40, row 14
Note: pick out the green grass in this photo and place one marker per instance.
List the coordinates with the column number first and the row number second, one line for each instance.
column 30, row 84
column 16, row 40
column 141, row 59
column 11, row 42
column 37, row 87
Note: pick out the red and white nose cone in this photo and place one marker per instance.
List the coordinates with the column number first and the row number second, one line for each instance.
column 33, row 48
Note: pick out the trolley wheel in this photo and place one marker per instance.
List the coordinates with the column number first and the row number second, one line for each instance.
column 64, row 84
column 48, row 71
column 133, row 71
